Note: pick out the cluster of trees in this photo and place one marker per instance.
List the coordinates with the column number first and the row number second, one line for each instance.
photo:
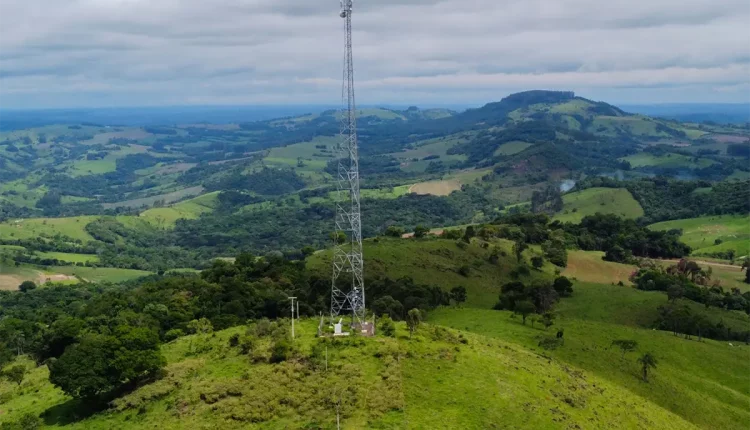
column 667, row 199
column 688, row 321
column 267, row 181
column 291, row 228
column 622, row 239
column 396, row 297
column 739, row 150
column 539, row 297
column 548, row 200
column 95, row 338
column 687, row 280
column 690, row 281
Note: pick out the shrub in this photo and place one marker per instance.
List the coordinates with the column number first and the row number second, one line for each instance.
column 27, row 286
column 234, row 340
column 247, row 344
column 464, row 271
column 550, row 343
column 173, row 334
column 421, row 231
column 387, row 326
column 281, row 351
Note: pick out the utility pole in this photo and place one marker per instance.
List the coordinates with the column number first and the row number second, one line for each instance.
column 293, row 299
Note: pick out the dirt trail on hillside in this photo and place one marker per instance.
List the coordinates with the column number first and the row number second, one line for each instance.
column 709, row 263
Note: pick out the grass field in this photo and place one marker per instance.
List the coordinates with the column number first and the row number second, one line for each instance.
column 167, row 198
column 706, row 396
column 644, row 159
column 702, row 233
column 35, row 227
column 100, row 274
column 70, row 257
column 11, row 277
column 511, row 148
column 588, row 266
column 436, row 262
column 188, row 209
column 429, row 382
column 617, row 201
column 93, row 167
column 739, row 175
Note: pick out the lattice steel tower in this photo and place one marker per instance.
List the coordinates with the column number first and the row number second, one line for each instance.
column 348, row 286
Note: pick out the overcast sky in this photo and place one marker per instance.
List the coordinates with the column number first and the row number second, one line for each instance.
column 73, row 53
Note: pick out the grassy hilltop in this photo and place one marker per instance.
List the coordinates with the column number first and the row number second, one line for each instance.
column 488, row 370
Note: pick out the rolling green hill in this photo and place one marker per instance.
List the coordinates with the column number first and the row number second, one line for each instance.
column 711, row 235
column 617, row 201
column 438, row 379
column 488, row 368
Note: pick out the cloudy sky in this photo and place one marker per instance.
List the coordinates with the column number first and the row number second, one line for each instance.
column 74, row 53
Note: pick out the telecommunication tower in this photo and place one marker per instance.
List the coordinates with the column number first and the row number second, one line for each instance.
column 348, row 286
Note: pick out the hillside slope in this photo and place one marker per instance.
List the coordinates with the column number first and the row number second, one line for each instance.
column 439, row 379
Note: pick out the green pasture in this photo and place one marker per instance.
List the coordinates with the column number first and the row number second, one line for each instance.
column 590, row 201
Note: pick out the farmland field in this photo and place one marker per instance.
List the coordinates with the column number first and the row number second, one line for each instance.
column 511, row 148
column 588, row 266
column 188, row 209
column 644, row 159
column 69, row 257
column 702, row 234
column 101, row 274
column 436, row 188
column 31, row 228
column 617, row 201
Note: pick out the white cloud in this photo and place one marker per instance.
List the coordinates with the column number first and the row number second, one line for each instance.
column 116, row 52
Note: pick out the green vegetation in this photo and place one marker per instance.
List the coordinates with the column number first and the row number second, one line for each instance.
column 616, row 201
column 188, row 209
column 101, row 274
column 669, row 160
column 713, row 235
column 120, row 306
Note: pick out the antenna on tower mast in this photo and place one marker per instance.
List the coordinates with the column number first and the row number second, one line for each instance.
column 348, row 286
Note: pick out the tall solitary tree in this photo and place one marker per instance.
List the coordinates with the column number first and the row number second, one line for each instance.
column 647, row 361
column 458, row 295
column 413, row 319
column 518, row 248
column 524, row 308
column 625, row 345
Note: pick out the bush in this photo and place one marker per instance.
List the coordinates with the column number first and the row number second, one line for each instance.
column 173, row 334
column 281, row 351
column 234, row 340
column 550, row 343
column 393, row 231
column 464, row 270
column 26, row 422
column 421, row 231
column 387, row 326
column 247, row 344
column 27, row 286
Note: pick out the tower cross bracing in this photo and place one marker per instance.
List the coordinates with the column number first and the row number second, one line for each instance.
column 348, row 286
